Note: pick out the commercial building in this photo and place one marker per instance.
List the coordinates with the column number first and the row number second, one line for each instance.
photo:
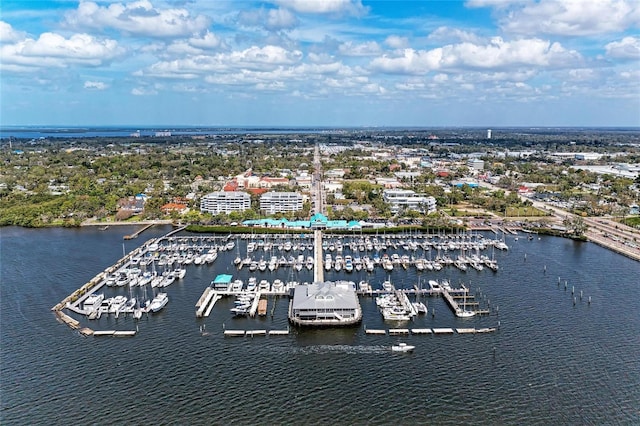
column 274, row 202
column 475, row 164
column 400, row 199
column 325, row 304
column 225, row 202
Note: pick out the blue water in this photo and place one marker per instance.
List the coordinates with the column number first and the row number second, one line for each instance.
column 100, row 132
column 550, row 362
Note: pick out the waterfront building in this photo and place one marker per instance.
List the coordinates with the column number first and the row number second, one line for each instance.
column 325, row 304
column 400, row 199
column 274, row 202
column 225, row 202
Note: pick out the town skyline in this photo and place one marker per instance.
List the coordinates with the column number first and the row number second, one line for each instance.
column 340, row 63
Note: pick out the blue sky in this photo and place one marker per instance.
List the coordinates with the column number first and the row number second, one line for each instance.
column 320, row 63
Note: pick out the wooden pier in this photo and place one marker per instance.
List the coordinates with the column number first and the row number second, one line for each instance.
column 137, row 233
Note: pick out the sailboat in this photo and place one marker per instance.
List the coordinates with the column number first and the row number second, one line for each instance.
column 463, row 313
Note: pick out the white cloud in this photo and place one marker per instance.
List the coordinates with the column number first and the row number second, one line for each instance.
column 138, row 18
column 207, row 41
column 9, row 35
column 396, row 42
column 582, row 74
column 53, row 50
column 494, row 55
column 95, row 85
column 449, row 34
column 627, row 48
column 353, row 7
column 143, row 91
column 272, row 19
column 253, row 58
column 571, row 17
column 440, row 78
column 498, row 4
column 369, row 48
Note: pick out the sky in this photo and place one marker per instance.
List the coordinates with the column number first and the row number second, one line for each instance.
column 334, row 63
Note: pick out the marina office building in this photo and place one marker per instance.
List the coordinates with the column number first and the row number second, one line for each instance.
column 274, row 202
column 399, row 199
column 325, row 304
column 225, row 202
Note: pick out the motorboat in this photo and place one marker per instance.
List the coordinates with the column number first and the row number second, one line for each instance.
column 158, row 302
column 402, row 347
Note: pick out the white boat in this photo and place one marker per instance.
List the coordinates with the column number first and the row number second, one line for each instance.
column 241, row 310
column 262, row 265
column 251, row 284
column 278, row 286
column 117, row 303
column 395, row 314
column 348, row 263
column 463, row 313
column 236, row 286
column 264, row 285
column 158, row 302
column 420, row 307
column 93, row 302
column 179, row 273
column 402, row 347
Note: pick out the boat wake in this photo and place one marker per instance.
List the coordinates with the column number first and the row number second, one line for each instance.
column 348, row 349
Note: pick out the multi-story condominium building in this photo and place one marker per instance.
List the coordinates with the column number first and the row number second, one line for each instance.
column 273, row 202
column 400, row 199
column 225, row 202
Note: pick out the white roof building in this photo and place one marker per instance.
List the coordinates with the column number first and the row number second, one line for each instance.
column 225, row 202
column 274, row 202
column 400, row 199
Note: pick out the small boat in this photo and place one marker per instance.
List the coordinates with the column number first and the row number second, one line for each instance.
column 402, row 347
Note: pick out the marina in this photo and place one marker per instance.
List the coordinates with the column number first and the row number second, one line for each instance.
column 160, row 262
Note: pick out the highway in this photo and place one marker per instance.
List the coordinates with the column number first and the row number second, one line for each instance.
column 603, row 231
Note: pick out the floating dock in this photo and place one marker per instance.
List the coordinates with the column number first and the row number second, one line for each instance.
column 251, row 333
column 206, row 302
column 405, row 331
column 262, row 307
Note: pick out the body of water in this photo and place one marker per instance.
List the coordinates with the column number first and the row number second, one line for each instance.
column 550, row 362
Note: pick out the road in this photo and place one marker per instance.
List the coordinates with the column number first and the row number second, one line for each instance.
column 317, row 182
column 601, row 230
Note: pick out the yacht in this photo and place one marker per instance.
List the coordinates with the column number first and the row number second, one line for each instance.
column 252, row 283
column 348, row 263
column 93, row 302
column 158, row 302
column 264, row 285
column 278, row 286
column 117, row 303
column 179, row 272
column 236, row 286
column 395, row 314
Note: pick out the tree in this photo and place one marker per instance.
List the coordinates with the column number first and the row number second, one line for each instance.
column 575, row 224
